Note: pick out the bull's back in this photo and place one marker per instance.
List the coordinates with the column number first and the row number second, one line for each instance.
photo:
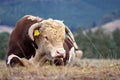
column 19, row 42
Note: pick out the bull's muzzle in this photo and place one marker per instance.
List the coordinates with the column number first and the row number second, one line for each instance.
column 60, row 53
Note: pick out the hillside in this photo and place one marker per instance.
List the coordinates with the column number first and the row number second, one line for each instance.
column 109, row 27
column 5, row 29
column 75, row 13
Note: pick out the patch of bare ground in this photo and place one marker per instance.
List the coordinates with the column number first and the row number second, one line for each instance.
column 86, row 69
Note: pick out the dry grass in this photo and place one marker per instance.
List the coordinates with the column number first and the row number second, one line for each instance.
column 86, row 69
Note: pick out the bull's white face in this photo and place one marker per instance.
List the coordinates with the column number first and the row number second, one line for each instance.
column 51, row 39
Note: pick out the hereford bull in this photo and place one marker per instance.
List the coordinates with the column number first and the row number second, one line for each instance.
column 35, row 41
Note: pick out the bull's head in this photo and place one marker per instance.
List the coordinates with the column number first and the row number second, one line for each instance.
column 49, row 35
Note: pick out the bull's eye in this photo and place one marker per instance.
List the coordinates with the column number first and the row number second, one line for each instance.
column 46, row 37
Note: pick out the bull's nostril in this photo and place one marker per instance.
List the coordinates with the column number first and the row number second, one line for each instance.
column 58, row 52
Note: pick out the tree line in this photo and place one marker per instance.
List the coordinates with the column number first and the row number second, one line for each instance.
column 98, row 44
column 3, row 44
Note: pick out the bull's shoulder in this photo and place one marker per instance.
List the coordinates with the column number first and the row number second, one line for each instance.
column 23, row 24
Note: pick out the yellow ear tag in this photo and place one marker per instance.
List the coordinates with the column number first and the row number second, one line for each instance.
column 36, row 33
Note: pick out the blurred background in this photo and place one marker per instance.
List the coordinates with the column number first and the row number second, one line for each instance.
column 95, row 23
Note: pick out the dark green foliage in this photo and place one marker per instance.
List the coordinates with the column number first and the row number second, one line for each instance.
column 116, row 36
column 98, row 44
column 3, row 44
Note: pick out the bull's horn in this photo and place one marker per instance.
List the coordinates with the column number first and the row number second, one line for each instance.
column 69, row 33
column 31, row 30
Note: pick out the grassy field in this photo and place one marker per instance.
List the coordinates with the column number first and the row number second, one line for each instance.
column 86, row 69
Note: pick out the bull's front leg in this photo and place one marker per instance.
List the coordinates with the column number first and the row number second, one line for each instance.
column 14, row 60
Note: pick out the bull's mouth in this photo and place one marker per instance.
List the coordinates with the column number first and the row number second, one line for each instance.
column 59, row 56
column 58, row 61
